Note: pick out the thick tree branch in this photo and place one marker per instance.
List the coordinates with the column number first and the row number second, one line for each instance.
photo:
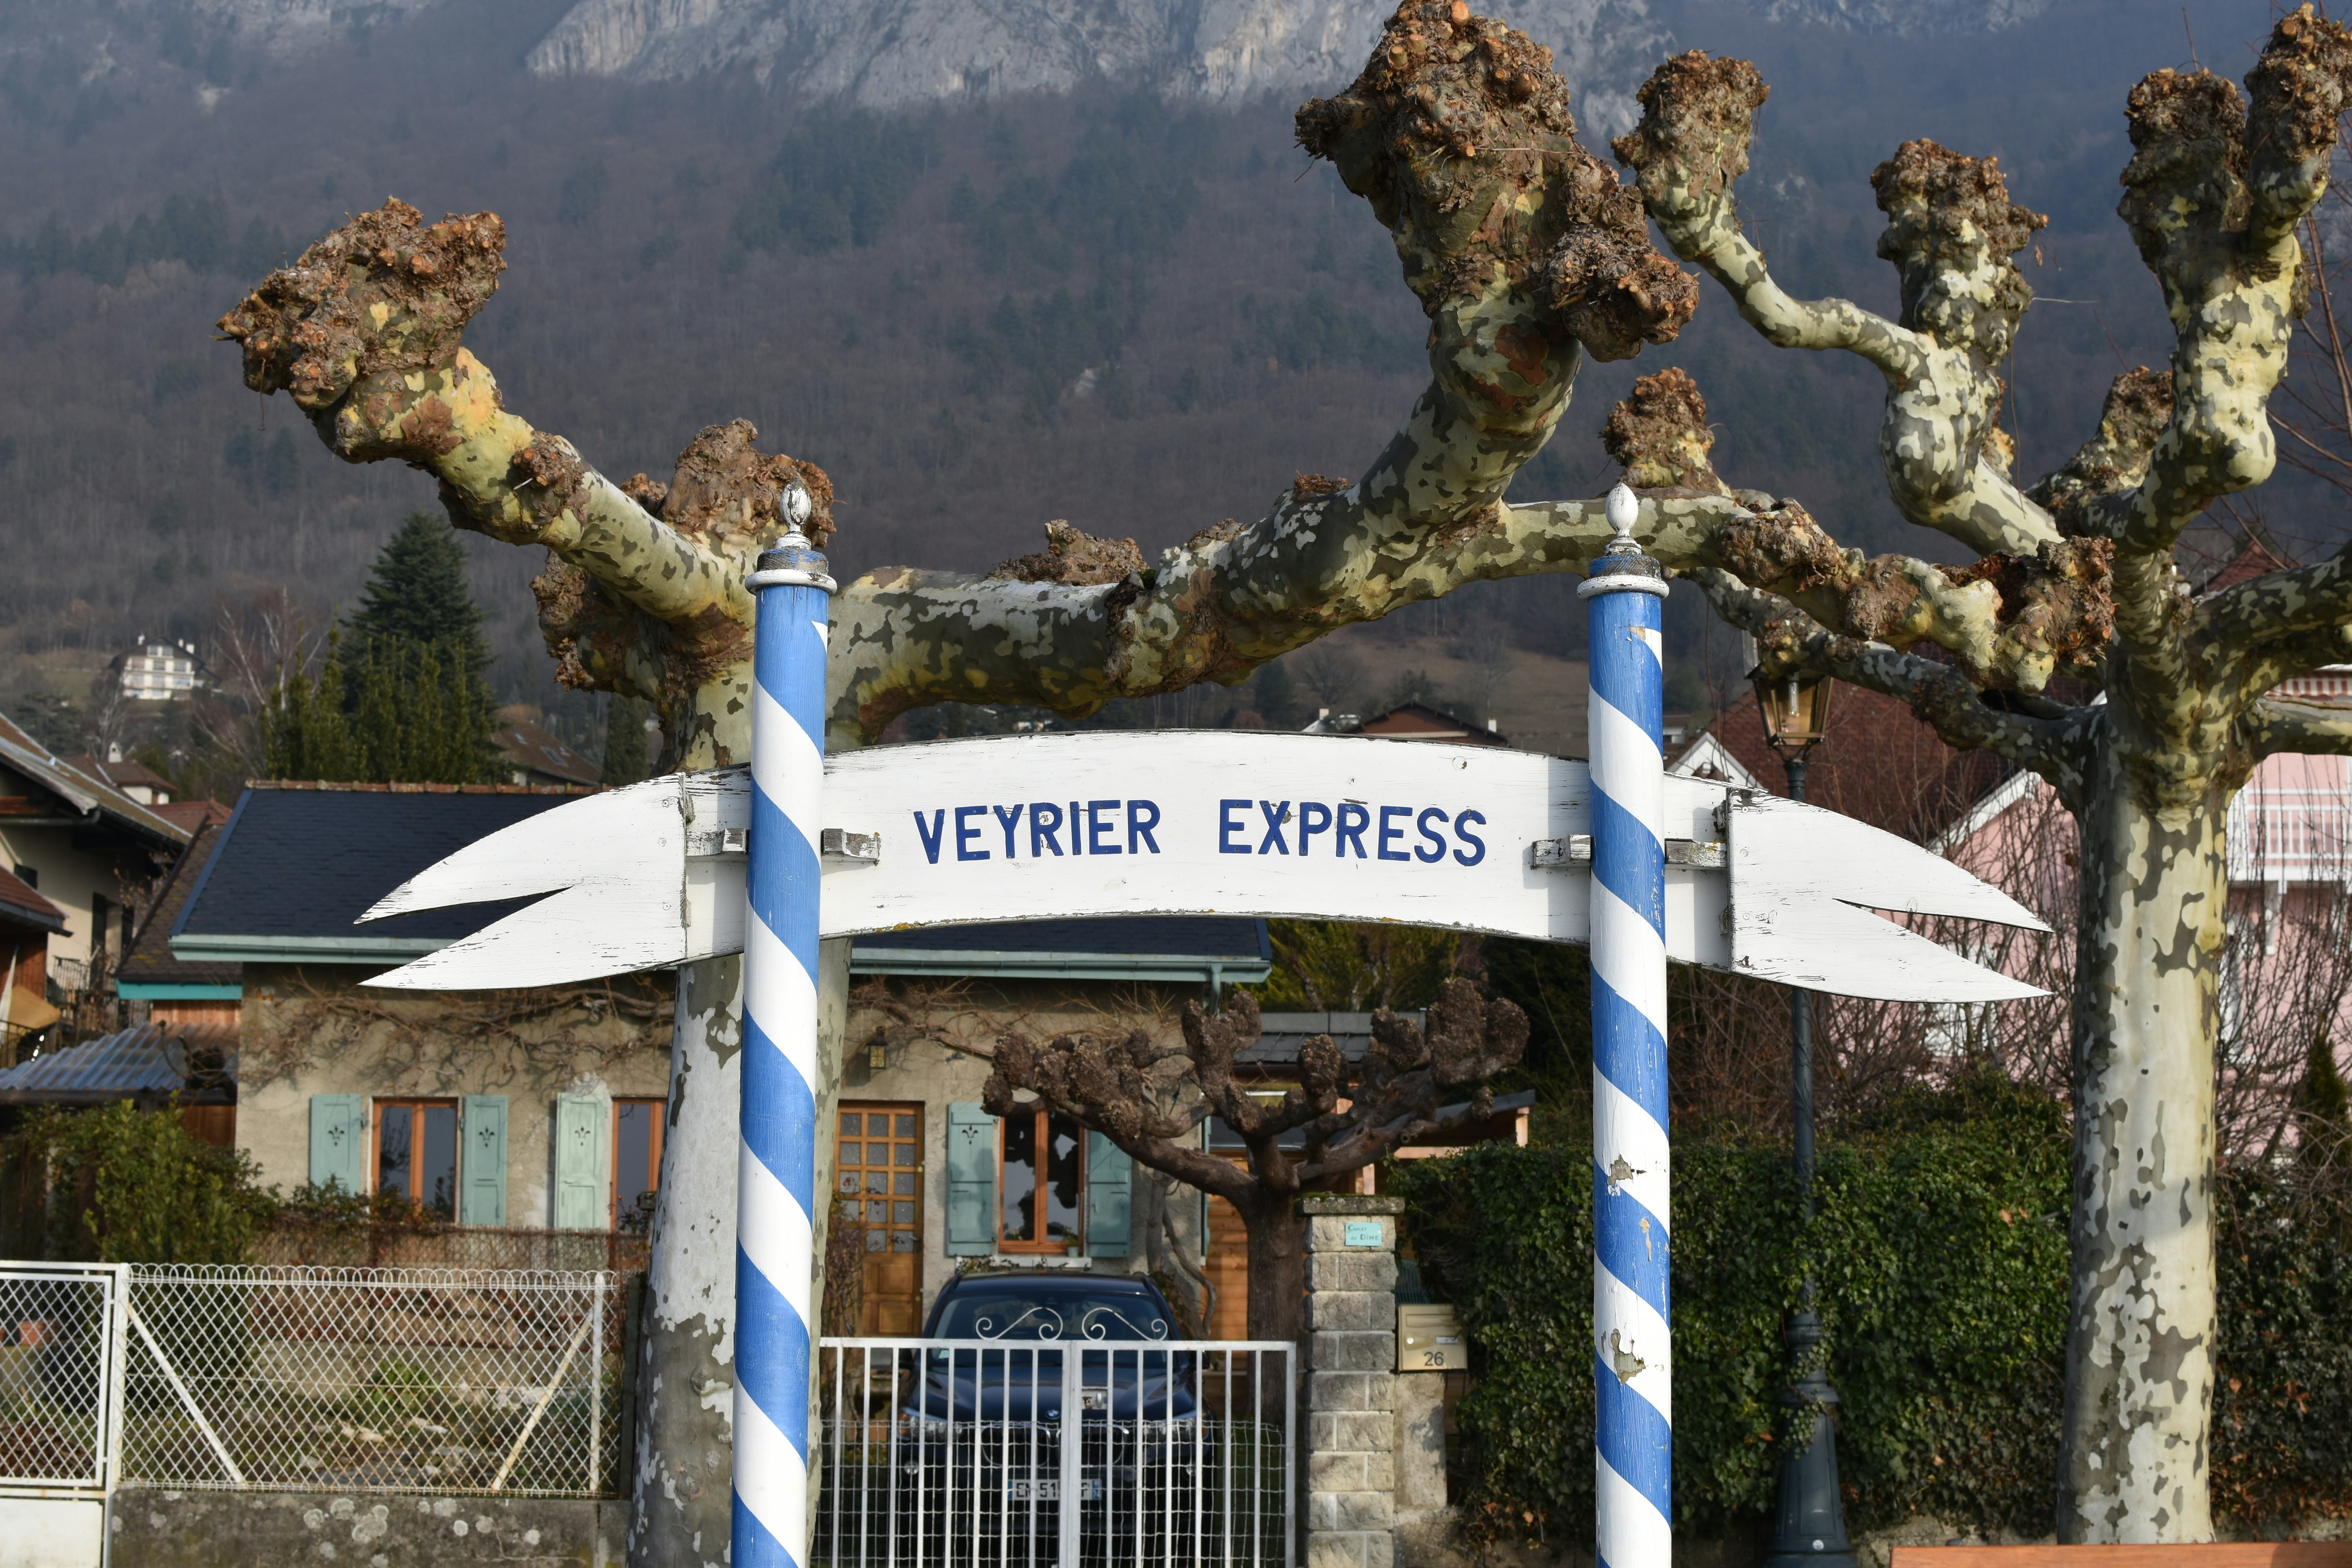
column 363, row 330
column 2272, row 726
column 2275, row 605
column 1524, row 251
column 1351, row 1113
column 2115, row 460
column 2011, row 622
column 2244, row 680
column 1788, row 641
column 2213, row 196
column 1950, row 232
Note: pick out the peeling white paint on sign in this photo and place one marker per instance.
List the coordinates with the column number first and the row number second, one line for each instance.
column 1211, row 822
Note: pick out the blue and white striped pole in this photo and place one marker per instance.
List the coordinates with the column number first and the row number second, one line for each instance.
column 776, row 1196
column 1634, row 1436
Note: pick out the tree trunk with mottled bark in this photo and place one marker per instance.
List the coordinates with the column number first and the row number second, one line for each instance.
column 2139, row 1354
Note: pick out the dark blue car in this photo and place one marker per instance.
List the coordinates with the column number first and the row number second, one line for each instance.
column 1025, row 1319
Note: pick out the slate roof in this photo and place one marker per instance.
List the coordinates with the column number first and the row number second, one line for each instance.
column 1280, row 1035
column 150, row 960
column 299, row 863
column 1243, row 940
column 1175, row 949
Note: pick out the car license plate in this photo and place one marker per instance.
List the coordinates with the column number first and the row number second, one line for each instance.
column 1050, row 1491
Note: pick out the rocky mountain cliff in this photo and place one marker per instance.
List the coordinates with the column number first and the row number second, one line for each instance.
column 897, row 54
column 890, row 54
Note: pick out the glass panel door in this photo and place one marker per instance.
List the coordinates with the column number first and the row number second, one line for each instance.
column 878, row 1172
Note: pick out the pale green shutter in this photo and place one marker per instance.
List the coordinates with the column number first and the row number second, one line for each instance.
column 582, row 1186
column 483, row 1180
column 339, row 1141
column 971, row 1181
column 1110, row 1177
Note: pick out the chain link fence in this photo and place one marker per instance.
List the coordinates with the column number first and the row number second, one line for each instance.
column 57, row 1365
column 374, row 1380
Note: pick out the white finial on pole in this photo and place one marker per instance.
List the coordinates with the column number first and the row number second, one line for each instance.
column 1623, row 510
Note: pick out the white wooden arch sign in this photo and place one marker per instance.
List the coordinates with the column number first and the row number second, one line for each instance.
column 1211, row 822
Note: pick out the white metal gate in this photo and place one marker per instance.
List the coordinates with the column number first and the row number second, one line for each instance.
column 60, row 1408
column 1078, row 1454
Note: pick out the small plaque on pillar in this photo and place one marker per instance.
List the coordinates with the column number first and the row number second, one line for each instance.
column 1364, row 1233
column 1429, row 1339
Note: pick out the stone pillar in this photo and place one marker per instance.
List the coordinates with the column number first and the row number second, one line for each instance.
column 1423, row 1524
column 1349, row 1472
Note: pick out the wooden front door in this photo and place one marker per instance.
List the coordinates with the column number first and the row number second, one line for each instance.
column 878, row 1161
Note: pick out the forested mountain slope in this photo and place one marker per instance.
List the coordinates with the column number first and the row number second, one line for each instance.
column 1136, row 310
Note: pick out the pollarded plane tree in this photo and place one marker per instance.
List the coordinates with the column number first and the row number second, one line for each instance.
column 2077, row 575
column 1152, row 1098
column 1527, row 253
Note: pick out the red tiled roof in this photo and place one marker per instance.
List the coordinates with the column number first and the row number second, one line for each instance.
column 1419, row 721
column 2254, row 559
column 125, row 774
column 195, row 816
column 1878, row 764
column 525, row 745
column 20, row 904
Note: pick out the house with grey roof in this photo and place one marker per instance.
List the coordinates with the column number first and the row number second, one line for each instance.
column 498, row 1109
column 546, row 1107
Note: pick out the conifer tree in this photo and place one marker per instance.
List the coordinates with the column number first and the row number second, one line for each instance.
column 412, row 717
column 417, row 593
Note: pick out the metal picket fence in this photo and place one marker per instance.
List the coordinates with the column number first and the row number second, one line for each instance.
column 1083, row 1453
column 372, row 1380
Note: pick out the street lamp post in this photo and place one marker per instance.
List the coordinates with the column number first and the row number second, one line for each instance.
column 1809, row 1532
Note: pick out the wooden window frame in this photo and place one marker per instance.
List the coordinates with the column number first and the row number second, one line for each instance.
column 612, row 1154
column 375, row 1173
column 1046, row 1249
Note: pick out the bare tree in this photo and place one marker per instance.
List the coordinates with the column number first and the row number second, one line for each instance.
column 1330, row 673
column 1525, row 253
column 257, row 644
column 1151, row 1099
column 110, row 720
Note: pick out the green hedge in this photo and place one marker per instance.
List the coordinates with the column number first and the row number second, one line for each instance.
column 1939, row 1248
